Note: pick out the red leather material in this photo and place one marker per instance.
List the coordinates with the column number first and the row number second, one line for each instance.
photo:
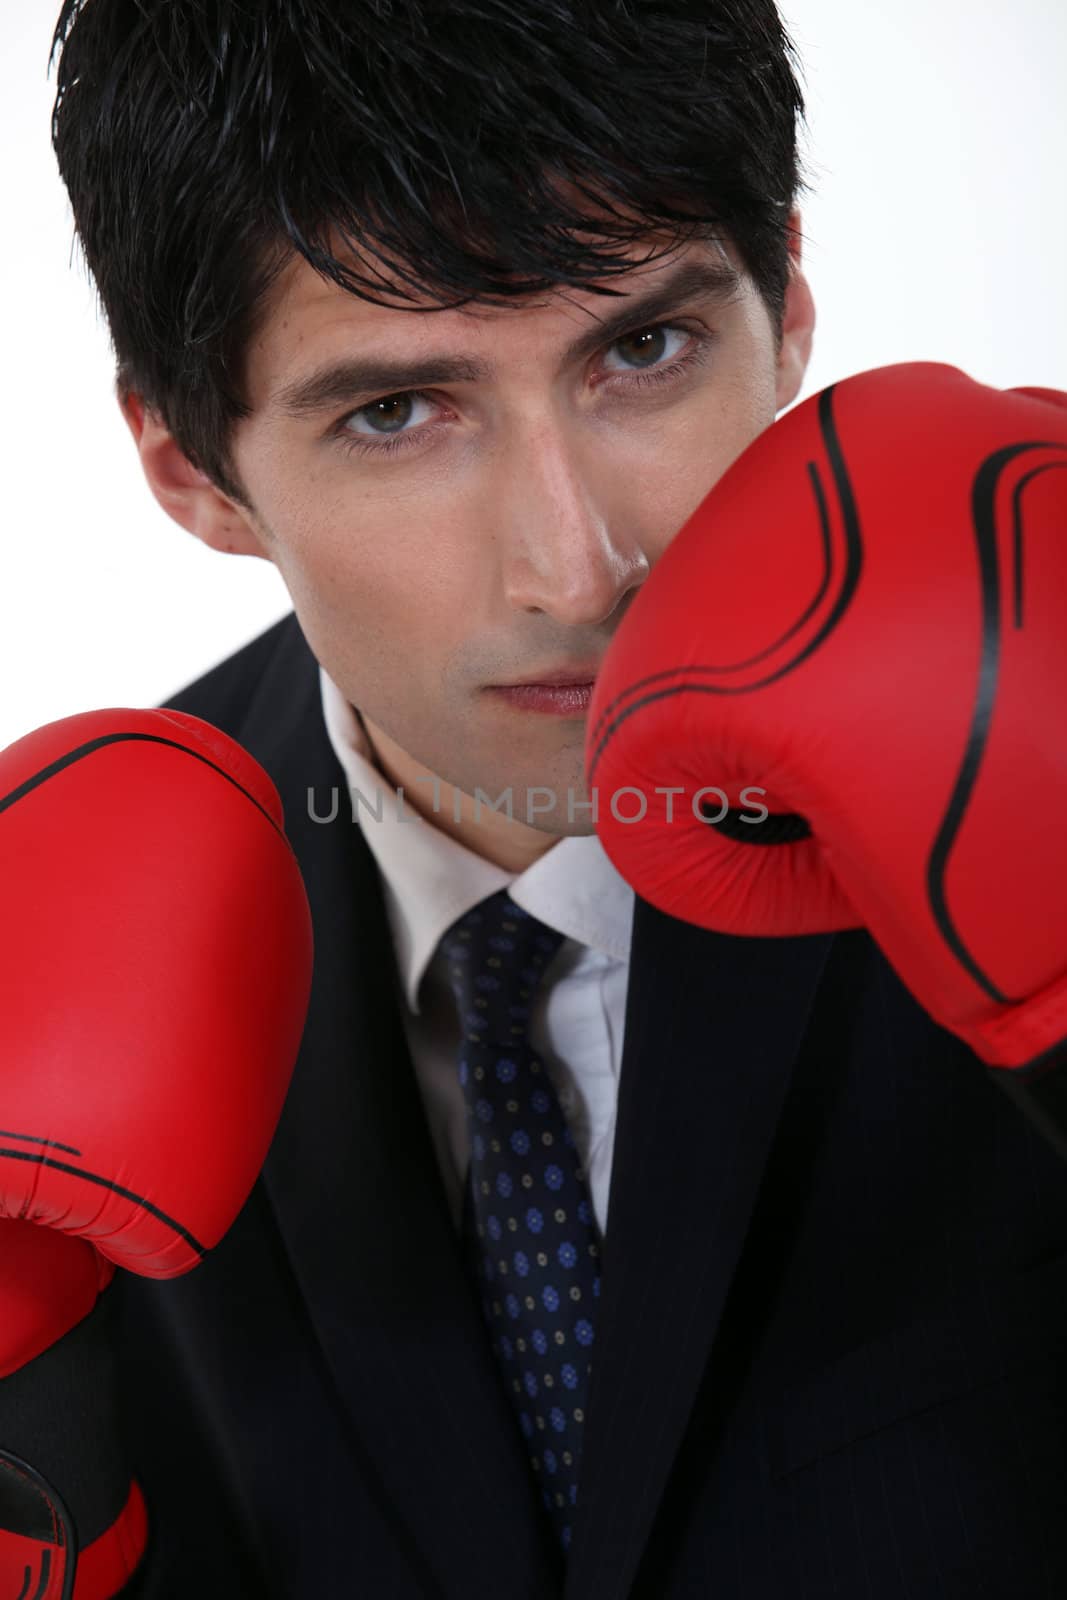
column 110, row 1561
column 49, row 1283
column 155, row 964
column 31, row 1566
column 865, row 619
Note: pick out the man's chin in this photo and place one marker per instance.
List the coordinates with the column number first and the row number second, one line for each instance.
column 556, row 808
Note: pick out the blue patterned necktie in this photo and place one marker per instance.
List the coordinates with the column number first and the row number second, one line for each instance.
column 528, row 1220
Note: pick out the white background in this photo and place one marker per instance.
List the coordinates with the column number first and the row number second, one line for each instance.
column 937, row 231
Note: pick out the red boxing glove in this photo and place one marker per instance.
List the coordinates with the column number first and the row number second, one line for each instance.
column 157, row 973
column 861, row 629
column 156, row 969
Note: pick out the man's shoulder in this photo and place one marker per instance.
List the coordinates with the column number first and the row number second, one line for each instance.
column 223, row 693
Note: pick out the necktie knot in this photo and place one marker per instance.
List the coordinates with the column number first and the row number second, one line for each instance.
column 497, row 954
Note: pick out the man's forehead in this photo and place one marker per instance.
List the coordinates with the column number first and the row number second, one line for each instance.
column 303, row 300
column 304, row 287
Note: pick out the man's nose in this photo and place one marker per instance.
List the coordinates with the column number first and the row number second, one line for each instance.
column 567, row 544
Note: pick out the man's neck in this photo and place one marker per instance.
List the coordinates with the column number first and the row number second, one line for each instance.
column 502, row 840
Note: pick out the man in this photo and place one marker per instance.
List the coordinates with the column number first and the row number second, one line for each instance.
column 455, row 312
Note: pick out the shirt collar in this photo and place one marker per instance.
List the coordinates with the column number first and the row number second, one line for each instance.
column 431, row 878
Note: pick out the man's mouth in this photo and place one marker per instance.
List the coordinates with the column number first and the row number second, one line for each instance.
column 561, row 698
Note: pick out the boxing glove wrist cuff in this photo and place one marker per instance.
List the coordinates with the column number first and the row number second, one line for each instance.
column 39, row 1553
column 105, row 1567
column 38, row 1545
column 59, row 1417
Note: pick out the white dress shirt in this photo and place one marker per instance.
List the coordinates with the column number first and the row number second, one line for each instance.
column 430, row 879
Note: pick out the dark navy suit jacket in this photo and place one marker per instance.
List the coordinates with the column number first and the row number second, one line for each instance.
column 831, row 1353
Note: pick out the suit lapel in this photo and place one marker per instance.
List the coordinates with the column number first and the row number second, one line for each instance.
column 713, row 1026
column 354, row 1183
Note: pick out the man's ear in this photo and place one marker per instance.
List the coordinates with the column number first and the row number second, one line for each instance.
column 184, row 492
column 798, row 324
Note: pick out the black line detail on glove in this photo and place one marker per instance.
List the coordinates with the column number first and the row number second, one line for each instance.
column 43, row 1578
column 849, row 579
column 1017, row 534
column 775, row 644
column 116, row 1188
column 42, row 1586
column 83, row 750
column 29, row 1138
column 35, row 1509
column 983, row 499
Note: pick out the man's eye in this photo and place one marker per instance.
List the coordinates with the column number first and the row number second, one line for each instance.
column 392, row 414
column 649, row 346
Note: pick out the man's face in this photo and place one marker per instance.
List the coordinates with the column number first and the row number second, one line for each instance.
column 493, row 517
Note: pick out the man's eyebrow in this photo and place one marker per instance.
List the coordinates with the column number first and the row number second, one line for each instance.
column 357, row 379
